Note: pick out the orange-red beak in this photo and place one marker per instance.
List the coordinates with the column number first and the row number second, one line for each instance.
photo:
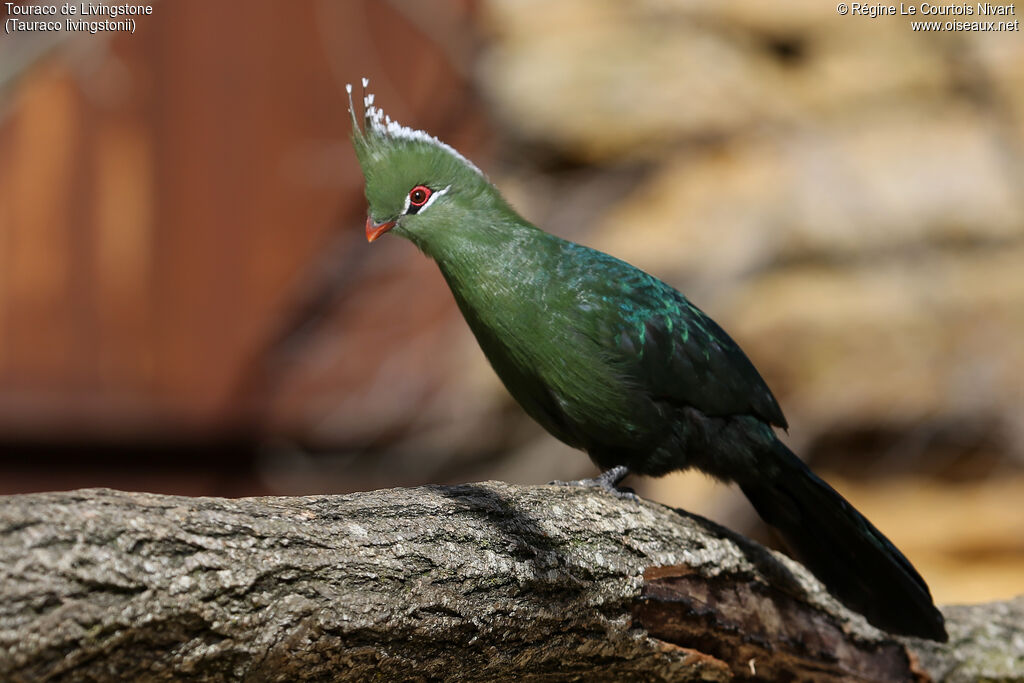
column 375, row 230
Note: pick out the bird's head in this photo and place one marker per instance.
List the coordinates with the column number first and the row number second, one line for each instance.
column 416, row 186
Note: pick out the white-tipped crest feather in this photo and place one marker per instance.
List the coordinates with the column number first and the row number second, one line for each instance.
column 377, row 123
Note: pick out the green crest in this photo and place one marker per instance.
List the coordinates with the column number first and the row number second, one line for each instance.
column 395, row 159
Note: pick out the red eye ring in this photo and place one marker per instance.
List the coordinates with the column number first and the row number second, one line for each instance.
column 419, row 195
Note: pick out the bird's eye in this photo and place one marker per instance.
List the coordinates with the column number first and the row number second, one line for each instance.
column 419, row 195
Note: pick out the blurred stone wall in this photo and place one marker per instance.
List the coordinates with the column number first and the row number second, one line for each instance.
column 847, row 195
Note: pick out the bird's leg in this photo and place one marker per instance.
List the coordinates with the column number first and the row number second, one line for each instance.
column 608, row 481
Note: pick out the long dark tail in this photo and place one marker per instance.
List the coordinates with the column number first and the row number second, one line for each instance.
column 858, row 565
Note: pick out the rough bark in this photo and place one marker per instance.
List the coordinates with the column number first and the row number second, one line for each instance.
column 476, row 582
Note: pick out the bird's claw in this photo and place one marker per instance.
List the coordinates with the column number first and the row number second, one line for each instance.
column 624, row 493
column 608, row 481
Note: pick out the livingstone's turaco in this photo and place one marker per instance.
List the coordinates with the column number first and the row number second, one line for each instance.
column 619, row 364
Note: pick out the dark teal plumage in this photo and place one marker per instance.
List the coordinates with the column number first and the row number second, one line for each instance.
column 613, row 361
column 598, row 352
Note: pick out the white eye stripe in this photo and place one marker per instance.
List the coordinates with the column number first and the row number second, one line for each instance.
column 430, row 200
column 433, row 197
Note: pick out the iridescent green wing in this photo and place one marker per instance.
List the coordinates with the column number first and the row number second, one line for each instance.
column 670, row 348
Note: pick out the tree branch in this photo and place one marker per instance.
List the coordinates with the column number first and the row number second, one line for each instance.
column 476, row 582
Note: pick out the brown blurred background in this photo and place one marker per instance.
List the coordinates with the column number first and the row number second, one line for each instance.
column 187, row 304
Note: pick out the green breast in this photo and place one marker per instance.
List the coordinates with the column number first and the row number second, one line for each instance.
column 543, row 328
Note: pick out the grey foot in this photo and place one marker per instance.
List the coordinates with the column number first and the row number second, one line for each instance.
column 607, row 480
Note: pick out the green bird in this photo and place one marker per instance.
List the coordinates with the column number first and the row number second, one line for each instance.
column 615, row 362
